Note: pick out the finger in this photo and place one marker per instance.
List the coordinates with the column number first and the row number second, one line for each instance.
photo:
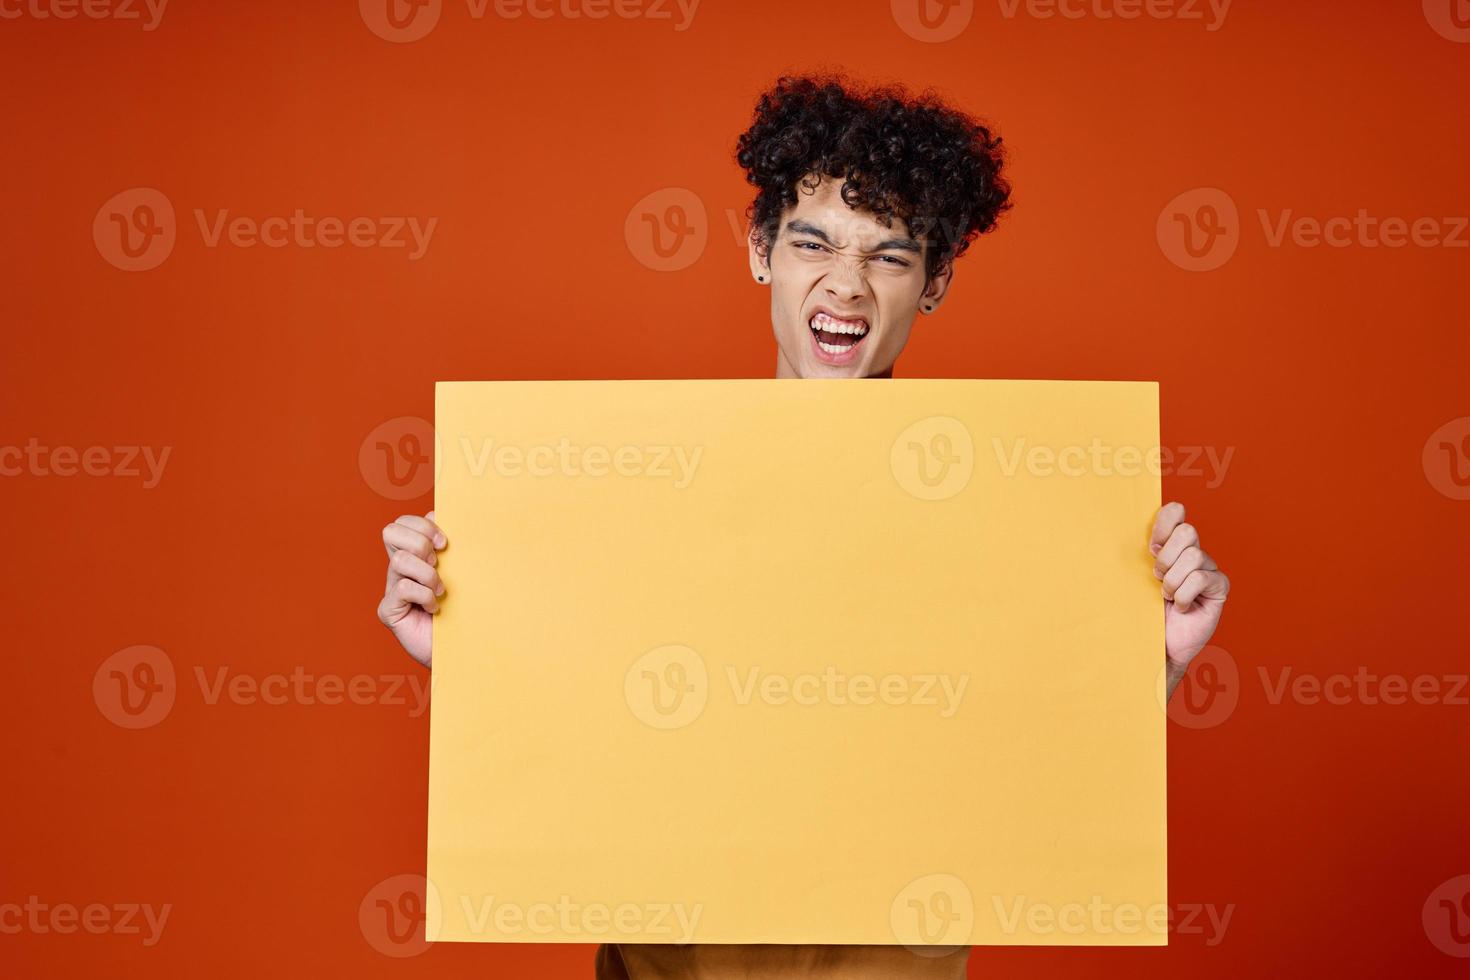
column 1190, row 559
column 1206, row 583
column 391, row 611
column 407, row 591
column 1183, row 536
column 1169, row 517
column 396, row 604
column 399, row 537
column 425, row 525
column 404, row 564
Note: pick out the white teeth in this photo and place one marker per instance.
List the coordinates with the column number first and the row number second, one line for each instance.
column 833, row 348
column 830, row 325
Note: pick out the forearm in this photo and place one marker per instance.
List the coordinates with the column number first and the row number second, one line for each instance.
column 1174, row 674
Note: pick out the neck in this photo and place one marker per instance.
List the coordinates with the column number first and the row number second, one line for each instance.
column 785, row 370
column 783, row 366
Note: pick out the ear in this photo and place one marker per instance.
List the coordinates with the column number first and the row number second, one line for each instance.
column 760, row 265
column 937, row 290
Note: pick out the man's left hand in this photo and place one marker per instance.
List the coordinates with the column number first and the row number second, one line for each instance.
column 1194, row 589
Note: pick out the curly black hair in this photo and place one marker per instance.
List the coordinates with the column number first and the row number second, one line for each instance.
column 931, row 165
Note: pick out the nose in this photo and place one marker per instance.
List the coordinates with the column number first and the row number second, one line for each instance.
column 844, row 282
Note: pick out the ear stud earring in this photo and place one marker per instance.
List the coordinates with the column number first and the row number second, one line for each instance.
column 760, row 278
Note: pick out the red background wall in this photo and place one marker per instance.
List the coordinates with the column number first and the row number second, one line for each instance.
column 1324, row 828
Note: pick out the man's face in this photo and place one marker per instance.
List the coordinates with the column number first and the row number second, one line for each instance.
column 845, row 288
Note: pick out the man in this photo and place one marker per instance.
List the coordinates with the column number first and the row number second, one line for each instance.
column 864, row 200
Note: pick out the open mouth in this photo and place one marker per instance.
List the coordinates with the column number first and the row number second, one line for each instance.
column 836, row 339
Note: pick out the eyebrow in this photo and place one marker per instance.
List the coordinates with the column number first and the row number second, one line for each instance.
column 802, row 227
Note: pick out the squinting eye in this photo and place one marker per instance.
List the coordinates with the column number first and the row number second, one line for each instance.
column 893, row 260
column 809, row 246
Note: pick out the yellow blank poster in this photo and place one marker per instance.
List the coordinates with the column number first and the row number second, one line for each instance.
column 870, row 662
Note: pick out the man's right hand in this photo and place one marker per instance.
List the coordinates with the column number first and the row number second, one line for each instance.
column 409, row 605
